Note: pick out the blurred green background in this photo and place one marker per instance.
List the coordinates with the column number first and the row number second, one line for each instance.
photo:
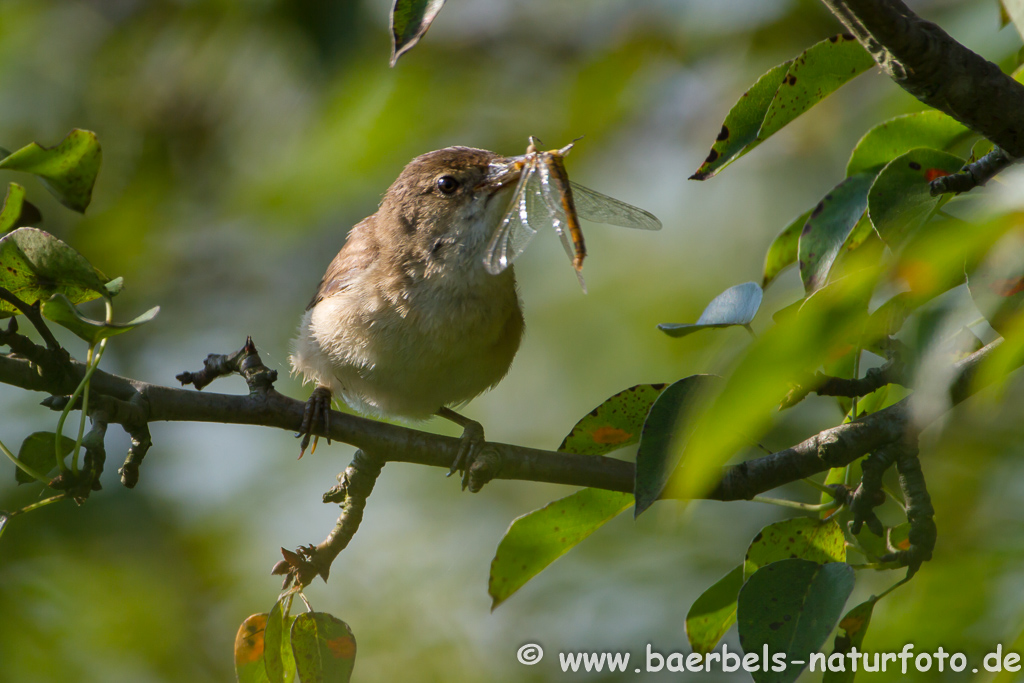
column 242, row 139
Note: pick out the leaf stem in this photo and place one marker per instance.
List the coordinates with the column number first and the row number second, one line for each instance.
column 27, row 469
column 809, row 507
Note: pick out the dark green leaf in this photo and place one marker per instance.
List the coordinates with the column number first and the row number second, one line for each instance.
column 666, row 428
column 37, row 452
column 714, row 612
column 615, row 423
column 324, row 648
column 828, row 228
column 897, row 136
column 820, row 541
column 855, row 627
column 900, row 199
column 735, row 306
column 813, row 76
column 63, row 312
column 784, row 249
column 249, row 649
column 35, row 265
column 538, row 538
column 739, row 132
column 790, row 607
column 68, row 170
column 410, row 20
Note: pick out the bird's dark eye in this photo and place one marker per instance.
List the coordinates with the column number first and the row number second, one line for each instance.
column 447, row 184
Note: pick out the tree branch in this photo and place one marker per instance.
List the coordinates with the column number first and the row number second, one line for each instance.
column 830, row 448
column 928, row 63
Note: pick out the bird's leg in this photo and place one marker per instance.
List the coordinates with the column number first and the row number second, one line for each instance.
column 318, row 410
column 472, row 440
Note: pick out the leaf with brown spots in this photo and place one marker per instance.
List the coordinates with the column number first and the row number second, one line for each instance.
column 67, row 170
column 249, row 648
column 899, row 135
column 35, row 265
column 806, row 538
column 614, row 424
column 324, row 648
column 855, row 627
column 790, row 607
column 900, row 199
column 830, row 224
column 538, row 538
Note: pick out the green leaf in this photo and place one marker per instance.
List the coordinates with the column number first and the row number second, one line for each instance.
column 735, row 306
column 828, row 228
column 4, row 519
column 278, row 660
column 739, row 131
column 68, row 170
column 324, row 648
column 790, row 607
column 35, row 265
column 820, row 541
column 16, row 210
column 784, row 249
column 997, row 286
column 900, row 199
column 538, row 538
column 667, row 424
column 249, row 649
column 61, row 311
column 899, row 135
column 855, row 627
column 714, row 612
column 817, row 73
column 410, row 20
column 614, row 424
column 1014, row 9
column 114, row 287
column 37, row 452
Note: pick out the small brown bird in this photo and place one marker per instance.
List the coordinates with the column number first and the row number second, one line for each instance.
column 407, row 321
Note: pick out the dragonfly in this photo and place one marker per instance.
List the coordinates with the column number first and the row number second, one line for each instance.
column 544, row 196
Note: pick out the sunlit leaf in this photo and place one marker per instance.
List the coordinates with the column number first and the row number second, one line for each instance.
column 668, row 422
column 900, row 199
column 714, row 612
column 410, row 20
column 37, row 451
column 16, row 210
column 68, row 170
column 1014, row 10
column 821, row 70
column 324, row 648
column 735, row 306
column 739, row 131
column 249, row 648
column 820, row 541
column 61, row 311
column 538, row 538
column 784, row 249
column 828, row 228
column 790, row 607
column 899, row 135
column 35, row 265
column 615, row 423
column 855, row 627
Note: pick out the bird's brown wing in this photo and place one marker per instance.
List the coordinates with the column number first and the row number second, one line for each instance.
column 354, row 258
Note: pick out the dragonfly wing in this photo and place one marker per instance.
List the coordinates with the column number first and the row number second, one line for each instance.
column 514, row 231
column 549, row 205
column 601, row 208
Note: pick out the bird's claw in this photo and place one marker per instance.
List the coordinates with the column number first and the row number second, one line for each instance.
column 471, row 442
column 318, row 410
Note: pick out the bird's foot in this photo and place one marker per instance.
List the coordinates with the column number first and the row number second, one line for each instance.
column 318, row 412
column 472, row 441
